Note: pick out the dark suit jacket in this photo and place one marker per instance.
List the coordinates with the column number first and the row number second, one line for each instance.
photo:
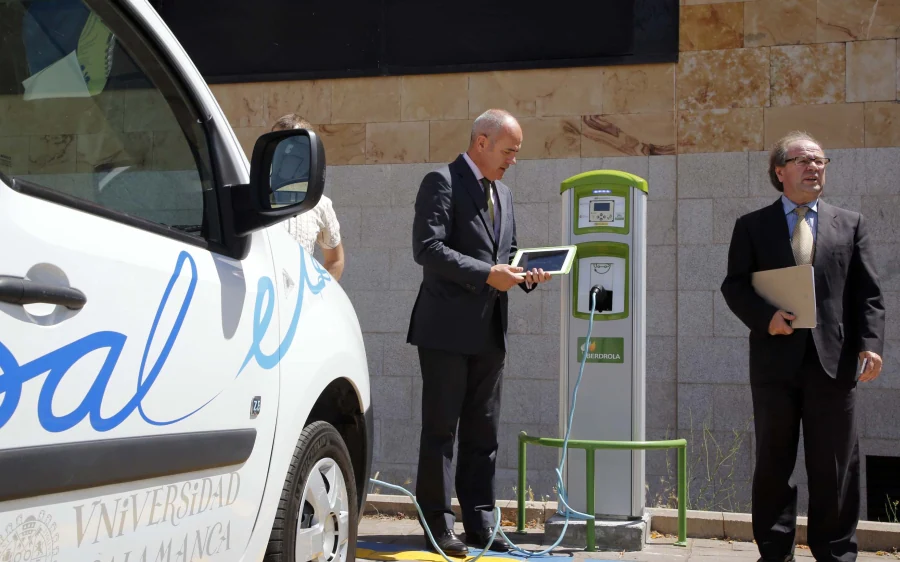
column 849, row 303
column 456, row 248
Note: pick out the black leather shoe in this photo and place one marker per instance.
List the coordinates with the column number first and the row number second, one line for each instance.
column 449, row 543
column 480, row 538
column 788, row 558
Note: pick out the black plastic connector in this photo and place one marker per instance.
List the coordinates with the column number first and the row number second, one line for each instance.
column 601, row 297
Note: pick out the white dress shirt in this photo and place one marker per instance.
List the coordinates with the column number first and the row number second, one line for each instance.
column 478, row 176
column 319, row 224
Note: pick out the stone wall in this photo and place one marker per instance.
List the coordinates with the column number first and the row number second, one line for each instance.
column 697, row 130
column 69, row 135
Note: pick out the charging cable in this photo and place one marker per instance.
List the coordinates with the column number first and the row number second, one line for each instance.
column 428, row 531
column 566, row 510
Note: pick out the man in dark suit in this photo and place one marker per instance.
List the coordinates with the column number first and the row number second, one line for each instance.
column 464, row 237
column 807, row 376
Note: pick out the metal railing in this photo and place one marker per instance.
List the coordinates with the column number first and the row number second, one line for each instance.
column 590, row 447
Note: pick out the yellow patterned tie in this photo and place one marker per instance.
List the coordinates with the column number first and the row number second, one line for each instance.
column 802, row 238
column 488, row 192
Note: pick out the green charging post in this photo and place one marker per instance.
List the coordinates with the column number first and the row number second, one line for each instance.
column 604, row 217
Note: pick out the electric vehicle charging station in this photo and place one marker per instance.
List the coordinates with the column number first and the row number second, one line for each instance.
column 602, row 358
column 604, row 215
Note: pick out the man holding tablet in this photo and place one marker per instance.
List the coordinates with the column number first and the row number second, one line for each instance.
column 464, row 237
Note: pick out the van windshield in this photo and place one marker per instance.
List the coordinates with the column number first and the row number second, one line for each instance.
column 81, row 115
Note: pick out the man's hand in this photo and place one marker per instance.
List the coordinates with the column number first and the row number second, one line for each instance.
column 503, row 277
column 536, row 276
column 873, row 366
column 778, row 325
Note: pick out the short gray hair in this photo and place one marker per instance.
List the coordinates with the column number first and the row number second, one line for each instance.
column 291, row 121
column 778, row 156
column 490, row 123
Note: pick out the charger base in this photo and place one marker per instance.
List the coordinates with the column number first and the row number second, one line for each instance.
column 609, row 534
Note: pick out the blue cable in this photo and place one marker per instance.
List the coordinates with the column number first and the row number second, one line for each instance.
column 560, row 486
column 428, row 531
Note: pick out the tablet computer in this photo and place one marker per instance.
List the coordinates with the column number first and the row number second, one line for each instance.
column 557, row 260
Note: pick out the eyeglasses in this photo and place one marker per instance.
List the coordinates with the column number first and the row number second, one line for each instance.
column 804, row 162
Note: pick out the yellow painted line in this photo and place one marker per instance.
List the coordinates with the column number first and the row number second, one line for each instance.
column 423, row 555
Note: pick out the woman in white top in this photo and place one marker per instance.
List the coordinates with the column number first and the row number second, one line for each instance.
column 320, row 223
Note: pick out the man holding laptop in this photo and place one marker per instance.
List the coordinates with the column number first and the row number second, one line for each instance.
column 801, row 375
column 464, row 237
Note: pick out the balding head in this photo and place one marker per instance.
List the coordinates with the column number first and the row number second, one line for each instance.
column 495, row 141
column 490, row 123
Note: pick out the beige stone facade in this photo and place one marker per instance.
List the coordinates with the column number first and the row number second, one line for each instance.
column 748, row 72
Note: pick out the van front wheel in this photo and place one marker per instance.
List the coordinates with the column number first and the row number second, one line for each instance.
column 317, row 514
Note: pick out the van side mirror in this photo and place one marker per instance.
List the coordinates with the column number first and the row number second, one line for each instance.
column 287, row 178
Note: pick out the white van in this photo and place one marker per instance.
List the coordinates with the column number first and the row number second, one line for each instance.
column 179, row 381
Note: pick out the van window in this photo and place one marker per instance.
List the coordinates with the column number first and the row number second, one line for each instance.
column 79, row 114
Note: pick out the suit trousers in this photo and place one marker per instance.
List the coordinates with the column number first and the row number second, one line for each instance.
column 464, row 391
column 825, row 408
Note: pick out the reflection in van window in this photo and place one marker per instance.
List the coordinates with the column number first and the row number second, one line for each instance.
column 79, row 115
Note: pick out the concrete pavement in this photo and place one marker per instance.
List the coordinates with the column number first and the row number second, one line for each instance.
column 404, row 531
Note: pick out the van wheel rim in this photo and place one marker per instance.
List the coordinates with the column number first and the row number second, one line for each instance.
column 323, row 524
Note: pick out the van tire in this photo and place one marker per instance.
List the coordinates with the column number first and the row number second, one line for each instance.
column 319, row 443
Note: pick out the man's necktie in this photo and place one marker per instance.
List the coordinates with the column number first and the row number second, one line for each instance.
column 488, row 193
column 802, row 238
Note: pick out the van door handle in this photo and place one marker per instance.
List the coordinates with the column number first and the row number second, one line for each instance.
column 23, row 291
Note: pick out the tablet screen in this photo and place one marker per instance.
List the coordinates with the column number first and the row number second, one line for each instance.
column 548, row 260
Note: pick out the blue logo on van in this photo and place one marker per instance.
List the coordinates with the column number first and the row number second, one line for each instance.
column 57, row 363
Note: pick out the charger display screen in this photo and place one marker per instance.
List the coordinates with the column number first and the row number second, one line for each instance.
column 606, row 212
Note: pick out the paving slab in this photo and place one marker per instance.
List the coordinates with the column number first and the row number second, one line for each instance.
column 404, row 531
